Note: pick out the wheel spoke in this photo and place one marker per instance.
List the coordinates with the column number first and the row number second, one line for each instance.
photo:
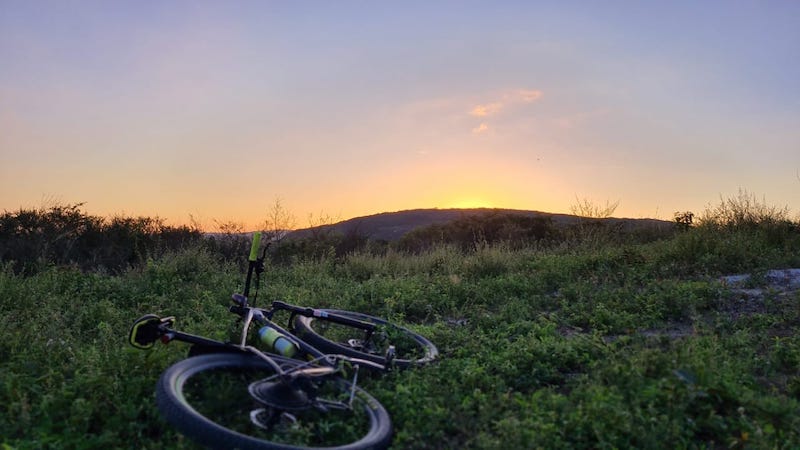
column 326, row 405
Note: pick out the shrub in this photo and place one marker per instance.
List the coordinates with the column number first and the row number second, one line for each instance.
column 31, row 239
column 744, row 211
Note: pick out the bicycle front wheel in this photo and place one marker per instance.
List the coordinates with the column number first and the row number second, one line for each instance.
column 323, row 332
column 209, row 399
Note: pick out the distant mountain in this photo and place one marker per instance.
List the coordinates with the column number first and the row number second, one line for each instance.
column 391, row 226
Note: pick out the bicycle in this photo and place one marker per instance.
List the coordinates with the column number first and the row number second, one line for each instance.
column 300, row 393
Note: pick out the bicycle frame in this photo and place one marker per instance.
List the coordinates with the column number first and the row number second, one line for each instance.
column 147, row 329
column 150, row 328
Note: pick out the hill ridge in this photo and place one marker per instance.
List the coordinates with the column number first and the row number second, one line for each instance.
column 391, row 226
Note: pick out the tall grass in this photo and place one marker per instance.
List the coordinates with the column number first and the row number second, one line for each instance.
column 745, row 211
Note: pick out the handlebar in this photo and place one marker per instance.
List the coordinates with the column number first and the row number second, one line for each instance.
column 331, row 316
column 303, row 311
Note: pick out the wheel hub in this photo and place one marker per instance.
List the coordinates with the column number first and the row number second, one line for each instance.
column 279, row 395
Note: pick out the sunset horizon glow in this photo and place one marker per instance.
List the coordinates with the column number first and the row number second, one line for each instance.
column 210, row 112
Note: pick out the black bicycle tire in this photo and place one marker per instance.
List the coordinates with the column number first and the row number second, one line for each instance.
column 303, row 326
column 182, row 416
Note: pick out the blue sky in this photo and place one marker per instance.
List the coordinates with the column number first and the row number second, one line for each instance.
column 215, row 109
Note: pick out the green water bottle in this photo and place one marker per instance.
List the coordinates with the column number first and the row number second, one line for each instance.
column 277, row 342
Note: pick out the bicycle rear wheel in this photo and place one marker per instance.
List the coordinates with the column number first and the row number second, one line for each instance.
column 411, row 348
column 208, row 398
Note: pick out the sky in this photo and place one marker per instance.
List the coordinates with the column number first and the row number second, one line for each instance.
column 212, row 111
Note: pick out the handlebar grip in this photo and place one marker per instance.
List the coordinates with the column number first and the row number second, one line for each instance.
column 255, row 246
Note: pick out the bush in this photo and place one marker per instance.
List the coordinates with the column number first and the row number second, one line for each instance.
column 31, row 239
column 740, row 234
column 744, row 212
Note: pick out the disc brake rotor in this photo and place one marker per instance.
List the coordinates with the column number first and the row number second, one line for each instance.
column 279, row 395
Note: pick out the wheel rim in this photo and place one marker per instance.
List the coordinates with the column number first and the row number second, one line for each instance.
column 410, row 348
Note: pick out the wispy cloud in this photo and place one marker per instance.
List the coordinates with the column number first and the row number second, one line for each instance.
column 481, row 114
column 481, row 129
column 487, row 109
column 507, row 99
column 505, row 102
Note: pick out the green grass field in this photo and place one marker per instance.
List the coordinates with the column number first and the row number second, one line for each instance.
column 589, row 344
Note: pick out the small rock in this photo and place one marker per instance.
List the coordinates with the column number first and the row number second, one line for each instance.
column 789, row 278
column 456, row 322
column 735, row 280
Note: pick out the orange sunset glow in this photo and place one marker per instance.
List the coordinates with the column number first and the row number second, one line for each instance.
column 210, row 111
